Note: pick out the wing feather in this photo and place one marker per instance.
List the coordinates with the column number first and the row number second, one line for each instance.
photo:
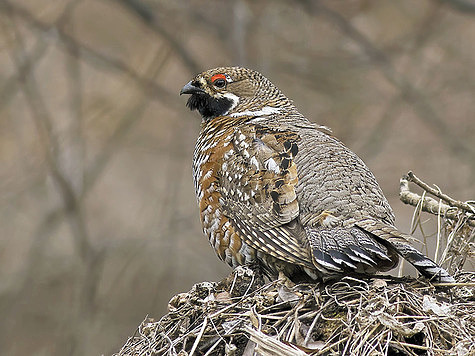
column 257, row 186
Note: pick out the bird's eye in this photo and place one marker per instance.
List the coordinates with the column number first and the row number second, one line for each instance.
column 219, row 80
column 219, row 83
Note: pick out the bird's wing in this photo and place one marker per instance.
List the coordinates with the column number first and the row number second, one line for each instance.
column 257, row 186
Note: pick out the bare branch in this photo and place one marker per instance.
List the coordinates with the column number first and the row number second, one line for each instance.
column 430, row 205
column 10, row 85
column 464, row 6
column 51, row 146
column 407, row 90
column 437, row 192
column 91, row 55
column 143, row 12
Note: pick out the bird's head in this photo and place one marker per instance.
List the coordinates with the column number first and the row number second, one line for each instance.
column 232, row 91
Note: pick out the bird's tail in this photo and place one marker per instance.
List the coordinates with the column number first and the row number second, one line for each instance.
column 423, row 264
column 399, row 241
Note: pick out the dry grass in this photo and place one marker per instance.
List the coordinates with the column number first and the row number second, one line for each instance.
column 243, row 315
column 377, row 316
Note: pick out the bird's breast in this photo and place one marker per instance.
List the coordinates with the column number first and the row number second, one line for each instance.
column 213, row 147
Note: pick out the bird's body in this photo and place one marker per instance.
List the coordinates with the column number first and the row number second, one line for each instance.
column 276, row 189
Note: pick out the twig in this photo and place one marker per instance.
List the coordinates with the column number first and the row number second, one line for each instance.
column 141, row 10
column 152, row 89
column 429, row 204
column 199, row 336
column 364, row 320
column 461, row 284
column 439, row 232
column 268, row 346
column 310, row 329
column 408, row 91
column 418, row 347
column 436, row 192
column 52, row 150
column 10, row 85
column 464, row 6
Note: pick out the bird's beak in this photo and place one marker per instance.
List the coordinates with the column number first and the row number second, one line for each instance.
column 189, row 88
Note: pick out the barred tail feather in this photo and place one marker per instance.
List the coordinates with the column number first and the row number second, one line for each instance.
column 423, row 264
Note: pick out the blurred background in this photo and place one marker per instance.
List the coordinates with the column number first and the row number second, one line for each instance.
column 99, row 225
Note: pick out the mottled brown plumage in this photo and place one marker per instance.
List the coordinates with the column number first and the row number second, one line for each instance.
column 276, row 189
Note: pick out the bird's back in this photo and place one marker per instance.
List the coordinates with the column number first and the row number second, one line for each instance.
column 334, row 179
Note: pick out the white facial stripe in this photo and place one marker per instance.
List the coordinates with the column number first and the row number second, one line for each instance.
column 266, row 110
column 234, row 99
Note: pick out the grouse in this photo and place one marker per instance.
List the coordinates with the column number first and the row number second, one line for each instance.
column 275, row 189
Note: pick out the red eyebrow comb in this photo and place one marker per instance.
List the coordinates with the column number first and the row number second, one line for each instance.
column 218, row 76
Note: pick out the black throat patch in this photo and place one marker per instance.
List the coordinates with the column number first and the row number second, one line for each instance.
column 208, row 106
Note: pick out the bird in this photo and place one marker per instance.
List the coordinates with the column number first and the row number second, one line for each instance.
column 277, row 190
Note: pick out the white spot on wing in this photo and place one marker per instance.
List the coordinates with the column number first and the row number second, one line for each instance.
column 254, row 162
column 271, row 165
